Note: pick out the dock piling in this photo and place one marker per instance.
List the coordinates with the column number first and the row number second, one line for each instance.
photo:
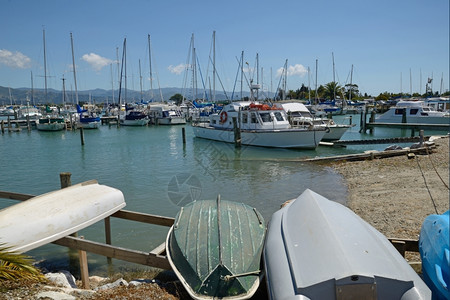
column 82, row 136
column 183, row 133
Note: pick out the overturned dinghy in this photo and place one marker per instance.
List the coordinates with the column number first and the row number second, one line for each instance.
column 319, row 249
column 214, row 248
column 51, row 216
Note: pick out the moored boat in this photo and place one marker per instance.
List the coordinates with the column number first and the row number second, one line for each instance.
column 51, row 121
column 51, row 216
column 319, row 249
column 413, row 112
column 299, row 115
column 87, row 119
column 214, row 248
column 435, row 255
column 258, row 125
column 133, row 117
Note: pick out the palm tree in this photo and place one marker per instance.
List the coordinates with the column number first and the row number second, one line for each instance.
column 331, row 89
column 14, row 266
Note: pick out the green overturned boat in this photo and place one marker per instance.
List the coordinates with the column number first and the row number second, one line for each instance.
column 215, row 246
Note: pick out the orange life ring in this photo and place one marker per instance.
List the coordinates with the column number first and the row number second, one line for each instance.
column 223, row 117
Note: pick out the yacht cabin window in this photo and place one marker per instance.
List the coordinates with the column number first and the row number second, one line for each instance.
column 399, row 111
column 266, row 117
column 278, row 116
column 413, row 111
column 253, row 118
column 244, row 117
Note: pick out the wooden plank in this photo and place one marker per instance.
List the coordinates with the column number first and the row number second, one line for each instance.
column 84, row 270
column 15, row 196
column 144, row 218
column 411, row 245
column 160, row 249
column 134, row 256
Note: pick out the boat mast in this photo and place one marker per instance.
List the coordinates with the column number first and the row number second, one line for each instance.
column 140, row 79
column 410, row 83
column 45, row 64
column 309, row 86
column 351, row 84
column 242, row 73
column 32, row 89
column 334, row 79
column 64, row 91
column 315, row 97
column 214, row 67
column 150, row 65
column 74, row 73
column 257, row 76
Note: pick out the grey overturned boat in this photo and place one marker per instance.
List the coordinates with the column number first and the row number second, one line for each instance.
column 214, row 248
column 319, row 249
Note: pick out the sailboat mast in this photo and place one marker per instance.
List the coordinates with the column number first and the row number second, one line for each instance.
column 309, row 86
column 334, row 79
column 74, row 72
column 32, row 89
column 242, row 73
column 351, row 84
column 150, row 65
column 140, row 78
column 214, row 67
column 45, row 64
column 316, row 99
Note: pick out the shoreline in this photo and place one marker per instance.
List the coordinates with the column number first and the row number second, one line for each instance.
column 396, row 194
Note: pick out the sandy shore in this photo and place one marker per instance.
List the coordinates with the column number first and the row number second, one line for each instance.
column 395, row 194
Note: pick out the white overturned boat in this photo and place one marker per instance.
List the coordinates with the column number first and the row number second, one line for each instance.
column 259, row 125
column 319, row 249
column 48, row 217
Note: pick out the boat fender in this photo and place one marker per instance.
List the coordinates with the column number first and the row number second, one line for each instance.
column 223, row 117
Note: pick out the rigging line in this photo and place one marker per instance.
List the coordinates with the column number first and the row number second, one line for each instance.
column 429, row 157
column 426, row 185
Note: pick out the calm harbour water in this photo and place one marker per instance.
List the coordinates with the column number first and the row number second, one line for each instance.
column 157, row 174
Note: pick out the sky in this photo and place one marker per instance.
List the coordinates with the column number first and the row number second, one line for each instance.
column 393, row 46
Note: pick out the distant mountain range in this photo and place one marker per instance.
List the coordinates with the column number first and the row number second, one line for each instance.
column 20, row 96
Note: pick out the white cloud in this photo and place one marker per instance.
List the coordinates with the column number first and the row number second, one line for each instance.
column 96, row 61
column 177, row 69
column 14, row 60
column 293, row 70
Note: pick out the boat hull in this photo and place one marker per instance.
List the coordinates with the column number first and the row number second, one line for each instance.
column 172, row 121
column 292, row 138
column 50, row 126
column 435, row 256
column 48, row 217
column 319, row 249
column 214, row 248
column 137, row 122
column 89, row 125
column 336, row 132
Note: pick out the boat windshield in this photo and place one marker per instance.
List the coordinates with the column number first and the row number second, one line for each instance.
column 278, row 116
column 265, row 117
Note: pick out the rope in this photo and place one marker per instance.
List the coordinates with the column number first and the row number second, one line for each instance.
column 431, row 161
column 426, row 185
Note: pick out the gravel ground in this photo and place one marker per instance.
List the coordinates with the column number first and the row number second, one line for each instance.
column 395, row 194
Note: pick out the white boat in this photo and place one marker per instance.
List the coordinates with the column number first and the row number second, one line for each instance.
column 48, row 217
column 259, row 125
column 413, row 112
column 133, row 116
column 300, row 115
column 319, row 249
column 51, row 123
column 166, row 115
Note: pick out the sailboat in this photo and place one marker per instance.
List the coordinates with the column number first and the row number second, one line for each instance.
column 51, row 121
column 87, row 119
column 132, row 115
